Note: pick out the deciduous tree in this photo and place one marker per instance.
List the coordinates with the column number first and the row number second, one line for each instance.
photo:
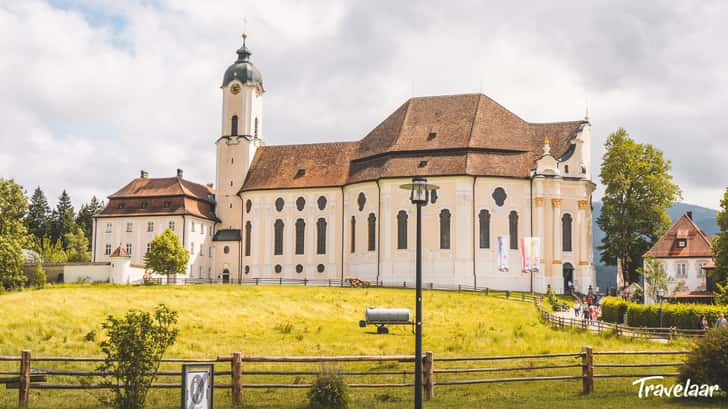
column 655, row 277
column 638, row 190
column 77, row 245
column 166, row 255
column 13, row 235
column 720, row 251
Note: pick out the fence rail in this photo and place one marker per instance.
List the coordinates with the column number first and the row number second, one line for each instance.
column 618, row 329
column 572, row 366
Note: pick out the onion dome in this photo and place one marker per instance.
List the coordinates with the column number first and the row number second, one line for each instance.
column 242, row 69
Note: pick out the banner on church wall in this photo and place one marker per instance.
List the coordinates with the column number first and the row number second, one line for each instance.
column 502, row 253
column 530, row 254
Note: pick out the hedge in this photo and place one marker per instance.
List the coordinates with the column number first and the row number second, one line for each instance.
column 683, row 316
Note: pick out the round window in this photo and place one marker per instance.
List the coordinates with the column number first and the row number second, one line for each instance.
column 300, row 203
column 279, row 204
column 320, row 268
column 299, row 268
column 247, row 269
column 226, row 249
column 499, row 195
column 248, row 206
column 278, row 268
column 322, row 203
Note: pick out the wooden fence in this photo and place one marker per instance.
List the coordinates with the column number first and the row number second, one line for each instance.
column 617, row 329
column 437, row 371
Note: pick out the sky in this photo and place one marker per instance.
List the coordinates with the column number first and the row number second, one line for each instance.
column 95, row 91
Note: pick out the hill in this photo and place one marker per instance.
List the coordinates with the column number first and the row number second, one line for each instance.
column 607, row 275
column 273, row 320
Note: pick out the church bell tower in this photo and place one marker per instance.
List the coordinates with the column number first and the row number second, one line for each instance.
column 241, row 134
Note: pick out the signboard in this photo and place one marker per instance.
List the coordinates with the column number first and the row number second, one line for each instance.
column 197, row 386
column 502, row 253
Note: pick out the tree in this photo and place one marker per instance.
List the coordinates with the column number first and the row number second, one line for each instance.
column 50, row 251
column 13, row 235
column 638, row 189
column 720, row 245
column 63, row 219
column 77, row 245
column 86, row 215
column 134, row 348
column 38, row 220
column 655, row 277
column 166, row 255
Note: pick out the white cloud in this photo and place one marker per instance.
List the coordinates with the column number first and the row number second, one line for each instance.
column 95, row 91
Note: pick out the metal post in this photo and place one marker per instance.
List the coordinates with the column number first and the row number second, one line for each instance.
column 660, row 312
column 418, row 313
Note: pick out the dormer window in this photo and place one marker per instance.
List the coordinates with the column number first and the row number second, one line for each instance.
column 682, row 243
column 301, row 173
column 422, row 164
column 144, row 205
column 167, row 204
column 432, row 136
column 121, row 205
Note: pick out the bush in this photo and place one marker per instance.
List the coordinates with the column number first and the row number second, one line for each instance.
column 708, row 362
column 613, row 310
column 329, row 391
column 134, row 348
column 683, row 316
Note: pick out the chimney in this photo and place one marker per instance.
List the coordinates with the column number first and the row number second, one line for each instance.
column 144, row 174
column 210, row 185
column 690, row 215
column 180, row 173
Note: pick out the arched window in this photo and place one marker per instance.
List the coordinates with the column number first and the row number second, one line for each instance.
column 234, row 126
column 300, row 203
column 402, row 229
column 484, row 220
column 321, row 236
column 278, row 238
column 322, row 202
column 279, row 204
column 248, row 229
column 372, row 232
column 361, row 200
column 513, row 229
column 445, row 229
column 300, row 234
column 353, row 234
column 566, row 232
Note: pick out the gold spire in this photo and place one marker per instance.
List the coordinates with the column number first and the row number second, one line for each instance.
column 245, row 29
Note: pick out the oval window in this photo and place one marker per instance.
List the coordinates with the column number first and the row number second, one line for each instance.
column 278, row 268
column 320, row 268
column 322, row 203
column 499, row 195
column 279, row 204
column 361, row 201
column 226, row 250
column 248, row 206
column 299, row 268
column 300, row 203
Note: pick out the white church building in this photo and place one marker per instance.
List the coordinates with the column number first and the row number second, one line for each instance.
column 335, row 210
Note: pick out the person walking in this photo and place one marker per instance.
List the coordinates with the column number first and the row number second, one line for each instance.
column 721, row 323
column 704, row 324
column 577, row 308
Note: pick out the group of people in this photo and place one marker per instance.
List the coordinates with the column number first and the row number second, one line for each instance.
column 721, row 322
column 587, row 309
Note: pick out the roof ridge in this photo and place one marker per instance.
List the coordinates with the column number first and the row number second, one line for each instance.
column 472, row 127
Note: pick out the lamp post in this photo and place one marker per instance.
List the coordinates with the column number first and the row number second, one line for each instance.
column 660, row 296
column 420, row 194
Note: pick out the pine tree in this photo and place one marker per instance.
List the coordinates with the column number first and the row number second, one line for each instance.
column 38, row 220
column 64, row 221
column 86, row 216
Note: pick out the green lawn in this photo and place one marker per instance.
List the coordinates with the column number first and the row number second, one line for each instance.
column 217, row 320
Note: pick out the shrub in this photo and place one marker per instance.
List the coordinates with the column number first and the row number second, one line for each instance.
column 329, row 391
column 708, row 362
column 134, row 348
column 613, row 309
column 684, row 316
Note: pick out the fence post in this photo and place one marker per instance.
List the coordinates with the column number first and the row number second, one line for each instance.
column 427, row 369
column 237, row 387
column 508, row 293
column 305, row 282
column 24, row 387
column 587, row 369
column 487, row 291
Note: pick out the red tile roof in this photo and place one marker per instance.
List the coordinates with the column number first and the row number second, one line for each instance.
column 697, row 242
column 161, row 197
column 456, row 135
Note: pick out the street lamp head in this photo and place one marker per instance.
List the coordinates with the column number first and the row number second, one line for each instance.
column 661, row 293
column 420, row 190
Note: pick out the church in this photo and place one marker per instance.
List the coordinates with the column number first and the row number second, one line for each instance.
column 513, row 209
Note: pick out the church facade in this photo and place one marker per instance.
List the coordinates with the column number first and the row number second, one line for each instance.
column 336, row 210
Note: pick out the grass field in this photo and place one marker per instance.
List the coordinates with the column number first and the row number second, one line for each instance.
column 217, row 320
